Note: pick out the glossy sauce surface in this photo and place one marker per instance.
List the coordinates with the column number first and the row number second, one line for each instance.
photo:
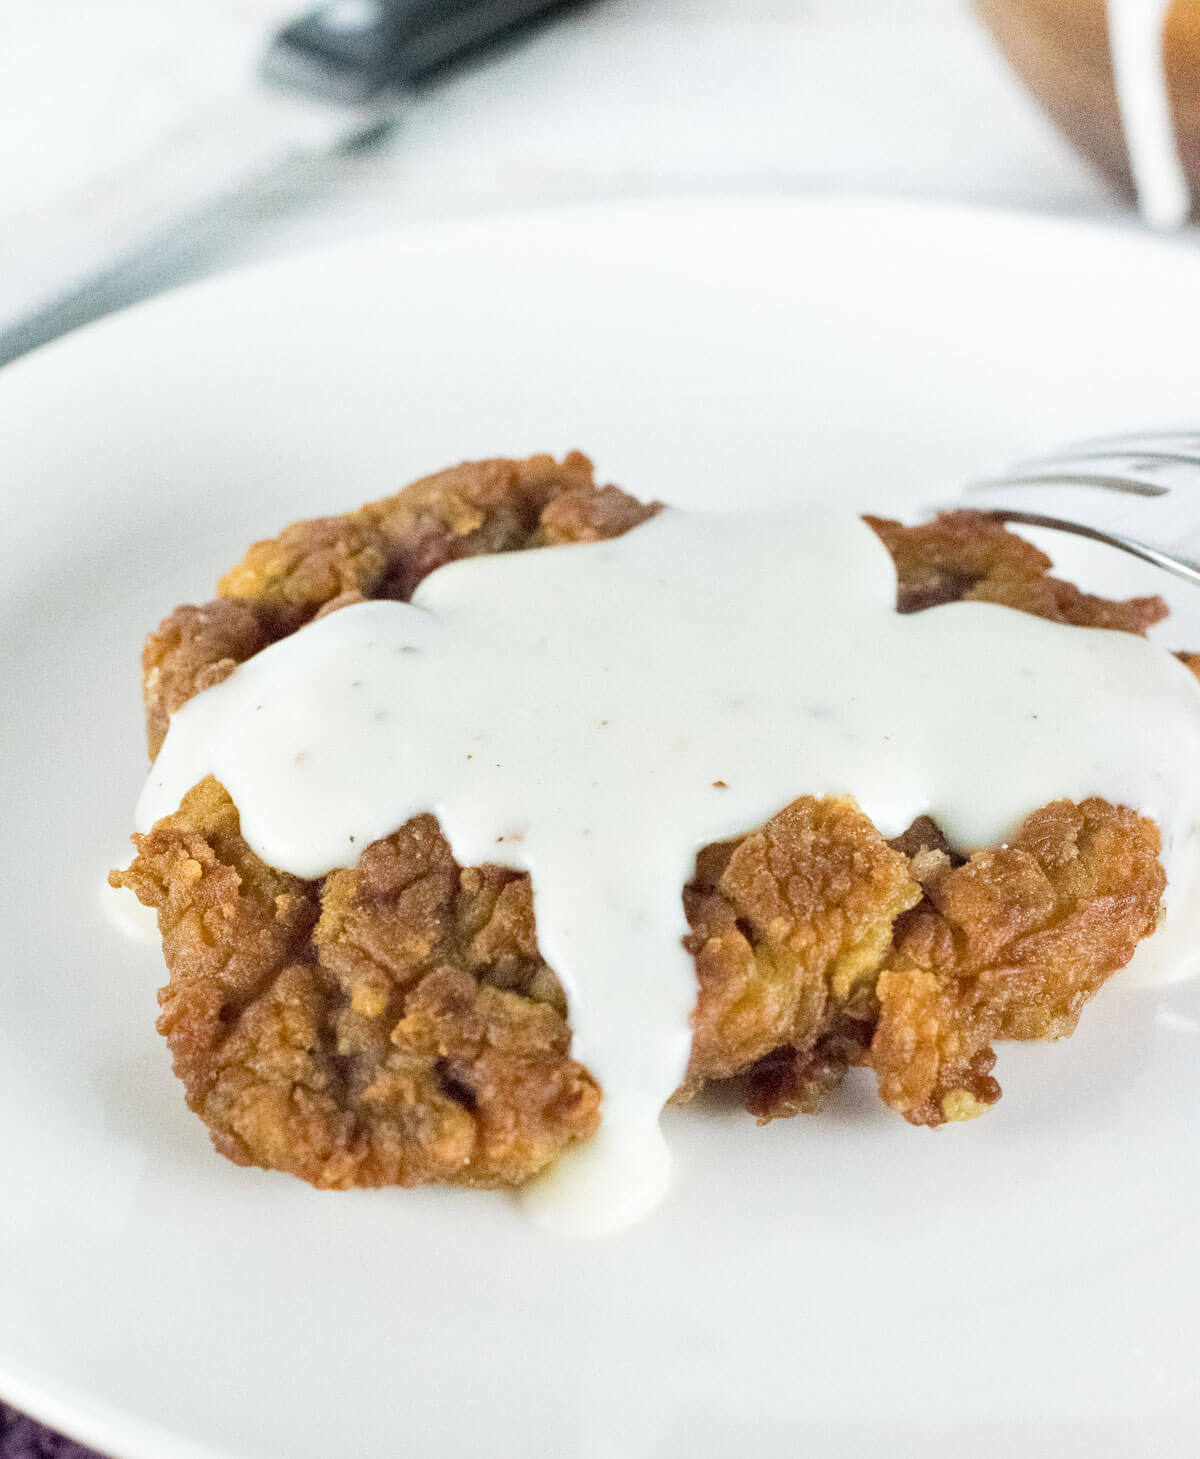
column 595, row 714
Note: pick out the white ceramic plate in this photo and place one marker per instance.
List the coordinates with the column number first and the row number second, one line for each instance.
column 831, row 1287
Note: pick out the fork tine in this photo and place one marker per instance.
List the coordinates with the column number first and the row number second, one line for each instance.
column 1113, row 453
column 1054, row 477
column 1181, row 567
column 1103, row 489
column 1144, row 473
column 1136, row 439
column 1115, row 510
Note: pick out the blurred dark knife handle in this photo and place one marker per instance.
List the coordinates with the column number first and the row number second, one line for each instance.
column 350, row 50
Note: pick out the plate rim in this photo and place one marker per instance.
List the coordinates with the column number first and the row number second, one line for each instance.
column 67, row 1408
column 1124, row 226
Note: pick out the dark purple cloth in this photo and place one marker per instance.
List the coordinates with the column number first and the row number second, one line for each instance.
column 22, row 1438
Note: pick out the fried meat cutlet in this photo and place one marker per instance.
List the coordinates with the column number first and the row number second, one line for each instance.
column 394, row 1023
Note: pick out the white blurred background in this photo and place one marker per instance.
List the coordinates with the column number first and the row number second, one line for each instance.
column 624, row 96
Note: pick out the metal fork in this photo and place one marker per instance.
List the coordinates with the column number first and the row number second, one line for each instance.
column 1138, row 492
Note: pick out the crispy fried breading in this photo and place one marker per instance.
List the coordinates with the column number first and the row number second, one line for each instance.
column 968, row 555
column 310, row 563
column 229, row 923
column 1011, row 944
column 383, row 550
column 1062, row 602
column 798, row 1079
column 394, row 1022
column 478, row 507
column 585, row 514
column 196, row 647
column 940, row 561
column 784, row 925
column 390, row 1024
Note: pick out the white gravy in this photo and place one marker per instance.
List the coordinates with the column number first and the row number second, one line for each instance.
column 594, row 714
column 1135, row 29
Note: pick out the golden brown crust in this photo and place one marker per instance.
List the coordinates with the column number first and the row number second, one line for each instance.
column 475, row 508
column 309, row 564
column 194, row 648
column 968, row 555
column 588, row 514
column 785, row 923
column 394, row 1023
column 1010, row 945
column 940, row 561
column 383, row 550
column 387, row 1025
column 1063, row 602
column 229, row 923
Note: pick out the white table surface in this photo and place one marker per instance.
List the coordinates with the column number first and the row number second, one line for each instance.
column 622, row 97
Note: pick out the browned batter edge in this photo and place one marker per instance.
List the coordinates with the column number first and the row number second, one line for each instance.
column 395, row 1024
